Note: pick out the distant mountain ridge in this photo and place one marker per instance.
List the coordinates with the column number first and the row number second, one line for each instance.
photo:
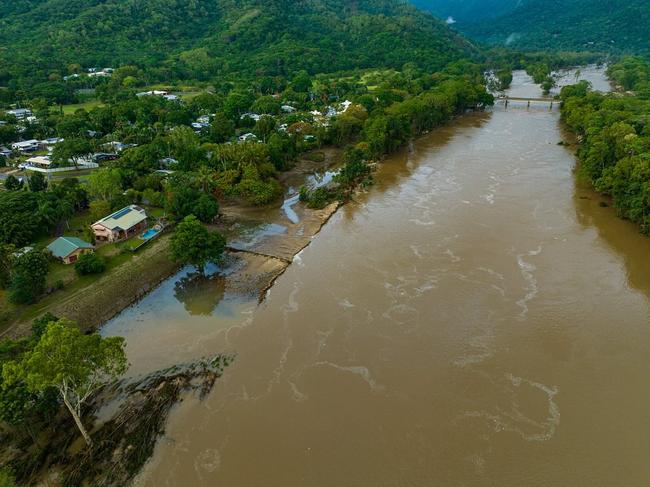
column 596, row 25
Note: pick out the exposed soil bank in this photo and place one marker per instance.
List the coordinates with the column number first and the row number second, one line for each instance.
column 122, row 444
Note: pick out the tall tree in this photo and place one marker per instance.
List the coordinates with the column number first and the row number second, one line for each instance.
column 20, row 219
column 12, row 183
column 222, row 128
column 6, row 263
column 37, row 182
column 185, row 147
column 75, row 364
column 193, row 244
column 105, row 184
column 71, row 151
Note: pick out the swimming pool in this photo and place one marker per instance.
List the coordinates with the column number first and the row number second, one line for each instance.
column 152, row 232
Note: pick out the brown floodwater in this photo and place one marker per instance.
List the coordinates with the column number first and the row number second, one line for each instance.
column 476, row 318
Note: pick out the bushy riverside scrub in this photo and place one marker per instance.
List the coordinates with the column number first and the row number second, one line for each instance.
column 388, row 128
column 614, row 135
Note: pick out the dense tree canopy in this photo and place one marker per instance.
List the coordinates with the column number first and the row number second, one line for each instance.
column 467, row 11
column 615, row 134
column 19, row 217
column 593, row 25
column 28, row 279
column 193, row 244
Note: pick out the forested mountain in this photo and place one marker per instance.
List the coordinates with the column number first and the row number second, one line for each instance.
column 468, row 11
column 203, row 38
column 596, row 25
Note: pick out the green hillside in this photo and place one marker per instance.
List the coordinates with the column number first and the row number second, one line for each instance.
column 201, row 39
column 595, row 25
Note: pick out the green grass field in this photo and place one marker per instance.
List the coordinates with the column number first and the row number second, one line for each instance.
column 89, row 105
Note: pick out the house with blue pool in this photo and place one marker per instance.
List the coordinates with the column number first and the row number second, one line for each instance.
column 122, row 224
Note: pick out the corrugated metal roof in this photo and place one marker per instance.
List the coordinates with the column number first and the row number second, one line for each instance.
column 64, row 246
column 124, row 219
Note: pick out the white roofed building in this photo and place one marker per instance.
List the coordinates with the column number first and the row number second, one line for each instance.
column 121, row 225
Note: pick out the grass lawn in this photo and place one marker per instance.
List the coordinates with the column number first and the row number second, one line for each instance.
column 154, row 211
column 81, row 175
column 187, row 96
column 131, row 243
column 72, row 282
column 89, row 105
column 116, row 256
column 59, row 272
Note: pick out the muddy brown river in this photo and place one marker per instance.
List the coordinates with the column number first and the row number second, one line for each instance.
column 476, row 318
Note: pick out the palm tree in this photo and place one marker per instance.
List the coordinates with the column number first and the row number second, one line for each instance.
column 205, row 179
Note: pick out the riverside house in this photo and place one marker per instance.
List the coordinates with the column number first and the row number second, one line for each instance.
column 68, row 249
column 120, row 225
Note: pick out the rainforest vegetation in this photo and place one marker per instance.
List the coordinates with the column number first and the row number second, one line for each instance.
column 614, row 134
column 169, row 40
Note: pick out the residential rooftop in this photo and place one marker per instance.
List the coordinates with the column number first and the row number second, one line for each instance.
column 123, row 219
column 64, row 246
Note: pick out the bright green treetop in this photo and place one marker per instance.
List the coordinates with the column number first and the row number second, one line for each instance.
column 193, row 244
column 77, row 365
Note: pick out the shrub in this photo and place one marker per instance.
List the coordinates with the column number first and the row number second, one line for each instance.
column 89, row 264
column 315, row 156
column 319, row 199
column 29, row 275
column 258, row 192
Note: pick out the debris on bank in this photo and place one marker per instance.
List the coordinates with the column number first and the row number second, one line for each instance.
column 123, row 443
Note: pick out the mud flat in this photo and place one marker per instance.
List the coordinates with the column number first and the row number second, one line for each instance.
column 285, row 239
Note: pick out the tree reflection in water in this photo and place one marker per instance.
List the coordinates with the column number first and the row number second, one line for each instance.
column 200, row 294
